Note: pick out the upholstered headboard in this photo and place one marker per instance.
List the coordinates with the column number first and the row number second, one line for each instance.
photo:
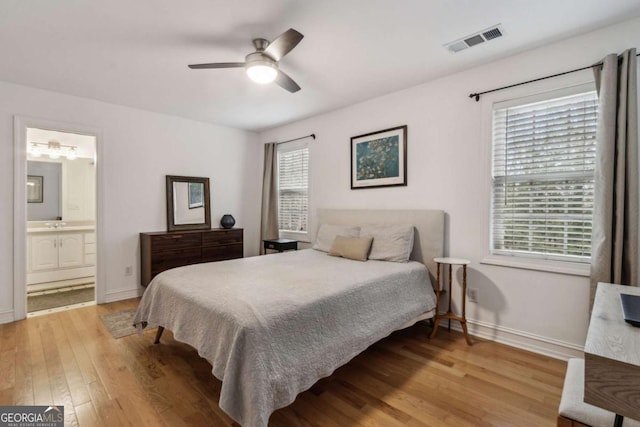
column 429, row 224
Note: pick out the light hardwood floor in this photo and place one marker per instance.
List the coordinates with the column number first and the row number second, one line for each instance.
column 70, row 359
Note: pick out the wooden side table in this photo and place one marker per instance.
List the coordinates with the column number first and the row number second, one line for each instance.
column 449, row 314
column 280, row 245
column 612, row 355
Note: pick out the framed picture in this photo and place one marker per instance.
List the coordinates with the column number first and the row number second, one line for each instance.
column 34, row 189
column 196, row 195
column 379, row 159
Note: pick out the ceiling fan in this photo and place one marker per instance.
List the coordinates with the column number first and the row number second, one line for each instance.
column 262, row 65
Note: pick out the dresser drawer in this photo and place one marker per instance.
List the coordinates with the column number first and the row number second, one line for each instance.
column 176, row 258
column 161, row 251
column 221, row 237
column 222, row 252
column 174, row 241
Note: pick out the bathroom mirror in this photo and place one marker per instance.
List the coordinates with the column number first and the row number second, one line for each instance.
column 188, row 206
column 44, row 191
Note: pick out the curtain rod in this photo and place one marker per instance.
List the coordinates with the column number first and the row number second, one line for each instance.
column 477, row 95
column 312, row 135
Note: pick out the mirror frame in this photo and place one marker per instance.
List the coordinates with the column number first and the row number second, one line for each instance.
column 171, row 226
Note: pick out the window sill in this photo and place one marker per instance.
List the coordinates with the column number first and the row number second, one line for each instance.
column 550, row 266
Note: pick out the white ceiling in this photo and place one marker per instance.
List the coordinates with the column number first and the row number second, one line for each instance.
column 135, row 52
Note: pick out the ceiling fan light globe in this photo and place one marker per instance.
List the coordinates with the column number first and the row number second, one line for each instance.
column 262, row 73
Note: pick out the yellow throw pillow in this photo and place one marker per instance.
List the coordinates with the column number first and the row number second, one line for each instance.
column 351, row 247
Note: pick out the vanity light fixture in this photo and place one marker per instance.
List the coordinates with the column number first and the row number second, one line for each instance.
column 35, row 150
column 53, row 149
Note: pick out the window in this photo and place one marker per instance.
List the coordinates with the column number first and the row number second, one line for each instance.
column 543, row 177
column 293, row 189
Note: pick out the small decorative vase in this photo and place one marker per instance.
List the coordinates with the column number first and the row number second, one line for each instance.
column 227, row 221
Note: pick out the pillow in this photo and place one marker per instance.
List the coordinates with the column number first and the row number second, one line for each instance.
column 390, row 242
column 327, row 233
column 351, row 247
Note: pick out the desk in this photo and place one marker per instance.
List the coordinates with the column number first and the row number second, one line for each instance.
column 449, row 314
column 612, row 355
column 280, row 245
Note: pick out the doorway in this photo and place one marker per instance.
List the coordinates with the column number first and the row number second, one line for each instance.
column 61, row 219
column 56, row 204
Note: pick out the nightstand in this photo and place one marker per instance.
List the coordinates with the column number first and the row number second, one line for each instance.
column 449, row 314
column 280, row 245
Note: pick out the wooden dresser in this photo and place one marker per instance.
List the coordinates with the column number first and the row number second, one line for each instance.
column 161, row 250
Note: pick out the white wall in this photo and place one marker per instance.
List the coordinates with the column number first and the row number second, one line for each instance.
column 140, row 148
column 449, row 168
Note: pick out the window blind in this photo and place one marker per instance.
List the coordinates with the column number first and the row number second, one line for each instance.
column 543, row 178
column 293, row 189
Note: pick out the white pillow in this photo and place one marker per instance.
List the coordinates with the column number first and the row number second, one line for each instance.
column 390, row 242
column 327, row 234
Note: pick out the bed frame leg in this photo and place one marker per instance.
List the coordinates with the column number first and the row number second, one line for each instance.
column 159, row 334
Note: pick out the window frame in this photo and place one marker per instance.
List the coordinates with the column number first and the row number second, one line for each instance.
column 536, row 92
column 301, row 236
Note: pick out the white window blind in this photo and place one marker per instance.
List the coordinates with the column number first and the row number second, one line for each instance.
column 543, row 178
column 293, row 188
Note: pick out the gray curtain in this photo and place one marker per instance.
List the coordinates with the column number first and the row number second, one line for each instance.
column 269, row 220
column 614, row 246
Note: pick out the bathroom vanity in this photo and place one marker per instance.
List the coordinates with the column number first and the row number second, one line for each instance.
column 59, row 251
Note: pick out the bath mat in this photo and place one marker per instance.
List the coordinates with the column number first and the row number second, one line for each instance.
column 59, row 299
column 119, row 323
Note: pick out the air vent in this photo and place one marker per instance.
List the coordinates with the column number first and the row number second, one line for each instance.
column 493, row 33
column 472, row 41
column 475, row 39
column 457, row 47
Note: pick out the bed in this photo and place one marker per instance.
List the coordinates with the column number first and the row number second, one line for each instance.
column 271, row 326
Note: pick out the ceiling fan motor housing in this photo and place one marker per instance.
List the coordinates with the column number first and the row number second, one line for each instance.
column 259, row 58
column 260, row 44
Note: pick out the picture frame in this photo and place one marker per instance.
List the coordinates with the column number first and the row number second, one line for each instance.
column 196, row 195
column 34, row 188
column 379, row 159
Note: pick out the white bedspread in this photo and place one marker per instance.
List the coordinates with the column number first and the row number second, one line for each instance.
column 272, row 325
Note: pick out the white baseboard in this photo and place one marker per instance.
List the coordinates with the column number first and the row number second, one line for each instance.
column 6, row 316
column 520, row 339
column 123, row 294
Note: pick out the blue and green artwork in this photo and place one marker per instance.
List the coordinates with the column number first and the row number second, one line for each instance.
column 378, row 158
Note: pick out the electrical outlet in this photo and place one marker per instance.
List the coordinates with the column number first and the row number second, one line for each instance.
column 128, row 271
column 472, row 293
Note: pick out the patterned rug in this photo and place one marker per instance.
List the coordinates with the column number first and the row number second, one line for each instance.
column 119, row 323
column 59, row 299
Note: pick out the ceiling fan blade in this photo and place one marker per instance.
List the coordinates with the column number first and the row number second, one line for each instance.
column 283, row 44
column 286, row 82
column 217, row 65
